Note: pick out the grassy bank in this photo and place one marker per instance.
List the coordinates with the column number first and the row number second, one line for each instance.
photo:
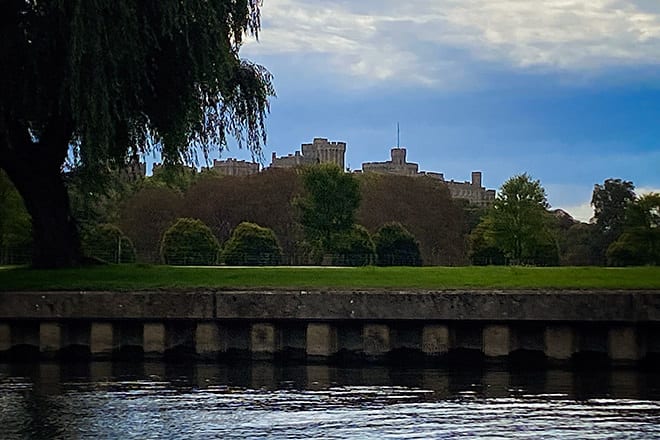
column 139, row 277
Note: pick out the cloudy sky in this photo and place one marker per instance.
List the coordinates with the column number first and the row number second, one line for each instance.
column 566, row 90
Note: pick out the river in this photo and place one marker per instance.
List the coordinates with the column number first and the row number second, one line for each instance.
column 264, row 400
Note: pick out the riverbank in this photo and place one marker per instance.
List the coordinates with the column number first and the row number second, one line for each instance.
column 147, row 277
column 611, row 326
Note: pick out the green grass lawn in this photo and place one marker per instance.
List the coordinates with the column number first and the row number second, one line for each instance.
column 141, row 277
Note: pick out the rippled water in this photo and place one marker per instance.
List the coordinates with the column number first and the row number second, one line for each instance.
column 112, row 400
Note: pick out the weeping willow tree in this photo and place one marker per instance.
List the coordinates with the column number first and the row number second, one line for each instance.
column 111, row 80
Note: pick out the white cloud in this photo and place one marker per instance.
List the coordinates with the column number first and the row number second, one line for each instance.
column 433, row 42
column 646, row 190
column 582, row 212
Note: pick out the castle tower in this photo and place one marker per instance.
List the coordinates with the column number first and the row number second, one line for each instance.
column 476, row 178
column 398, row 155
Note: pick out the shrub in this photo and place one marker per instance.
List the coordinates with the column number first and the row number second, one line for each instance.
column 253, row 245
column 355, row 248
column 395, row 246
column 108, row 243
column 635, row 247
column 189, row 242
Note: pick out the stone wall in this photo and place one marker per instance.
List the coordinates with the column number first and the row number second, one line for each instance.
column 622, row 326
column 234, row 167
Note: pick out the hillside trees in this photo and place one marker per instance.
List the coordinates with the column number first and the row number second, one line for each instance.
column 264, row 198
column 423, row 206
column 111, row 80
column 146, row 215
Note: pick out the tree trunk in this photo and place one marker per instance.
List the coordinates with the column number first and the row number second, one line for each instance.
column 56, row 240
column 35, row 170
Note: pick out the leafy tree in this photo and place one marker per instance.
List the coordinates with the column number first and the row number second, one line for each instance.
column 327, row 209
column 483, row 250
column 108, row 243
column 175, row 176
column 111, row 80
column 610, row 201
column 15, row 232
column 519, row 224
column 95, row 206
column 353, row 248
column 189, row 242
column 251, row 244
column 640, row 241
column 578, row 246
column 395, row 246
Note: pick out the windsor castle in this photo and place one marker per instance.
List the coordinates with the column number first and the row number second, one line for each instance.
column 320, row 150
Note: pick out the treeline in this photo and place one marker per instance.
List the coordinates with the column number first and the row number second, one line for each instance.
column 338, row 214
column 520, row 228
column 320, row 215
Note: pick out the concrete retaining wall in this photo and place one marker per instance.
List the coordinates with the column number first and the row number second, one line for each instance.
column 623, row 326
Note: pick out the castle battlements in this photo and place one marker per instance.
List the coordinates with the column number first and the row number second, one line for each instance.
column 320, row 150
column 471, row 191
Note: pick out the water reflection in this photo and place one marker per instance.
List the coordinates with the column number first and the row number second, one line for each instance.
column 197, row 400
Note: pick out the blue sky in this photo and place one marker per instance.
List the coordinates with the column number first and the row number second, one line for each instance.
column 568, row 91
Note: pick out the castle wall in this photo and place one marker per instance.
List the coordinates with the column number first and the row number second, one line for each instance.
column 320, row 150
column 234, row 167
column 396, row 165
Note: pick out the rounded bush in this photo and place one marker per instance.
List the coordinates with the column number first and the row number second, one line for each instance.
column 355, row 248
column 108, row 243
column 252, row 245
column 395, row 246
column 189, row 242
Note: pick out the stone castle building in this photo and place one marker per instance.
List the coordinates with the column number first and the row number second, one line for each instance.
column 397, row 165
column 471, row 191
column 234, row 167
column 319, row 151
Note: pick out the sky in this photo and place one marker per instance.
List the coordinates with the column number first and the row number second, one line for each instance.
column 567, row 91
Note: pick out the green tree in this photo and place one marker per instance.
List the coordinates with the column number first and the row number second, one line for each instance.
column 578, row 246
column 112, row 80
column 328, row 207
column 15, row 232
column 610, row 201
column 640, row 241
column 108, row 243
column 253, row 245
column 175, row 176
column 353, row 248
column 518, row 223
column 395, row 246
column 189, row 242
column 483, row 250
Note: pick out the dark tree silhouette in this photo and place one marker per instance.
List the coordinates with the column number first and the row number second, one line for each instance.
column 113, row 79
column 611, row 201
